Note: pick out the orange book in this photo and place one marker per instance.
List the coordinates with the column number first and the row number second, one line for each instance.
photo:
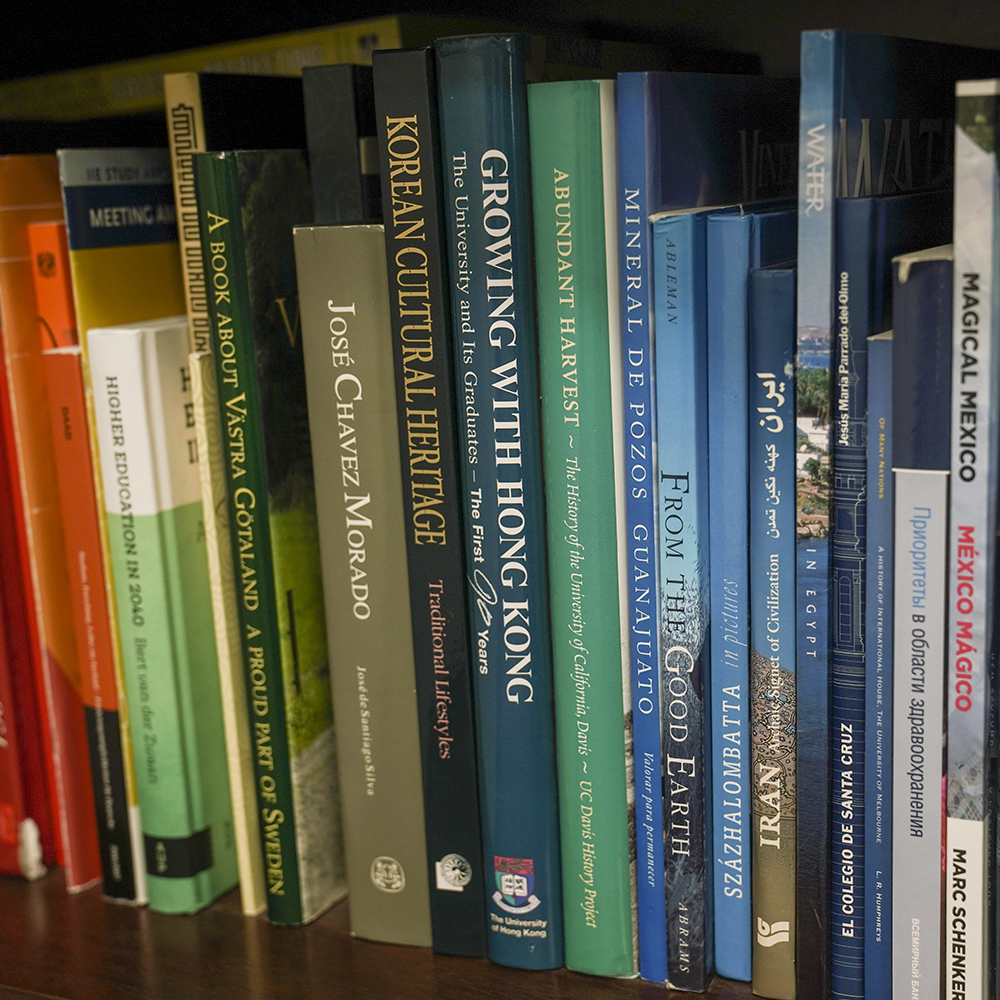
column 62, row 366
column 29, row 192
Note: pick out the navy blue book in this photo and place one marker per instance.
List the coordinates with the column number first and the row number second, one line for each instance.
column 735, row 243
column 738, row 141
column 405, row 86
column 878, row 669
column 870, row 232
column 921, row 459
column 484, row 138
column 771, row 480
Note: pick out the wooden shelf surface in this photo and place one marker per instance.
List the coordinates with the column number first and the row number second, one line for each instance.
column 81, row 947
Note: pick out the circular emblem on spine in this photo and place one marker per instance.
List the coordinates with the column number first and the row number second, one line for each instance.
column 387, row 875
column 455, row 870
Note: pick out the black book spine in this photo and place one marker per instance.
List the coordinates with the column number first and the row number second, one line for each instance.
column 340, row 134
column 410, row 170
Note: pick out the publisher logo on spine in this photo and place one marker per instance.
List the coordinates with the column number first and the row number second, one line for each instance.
column 515, row 879
column 768, row 935
column 453, row 873
column 387, row 875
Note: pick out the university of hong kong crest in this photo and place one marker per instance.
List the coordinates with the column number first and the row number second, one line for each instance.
column 515, row 884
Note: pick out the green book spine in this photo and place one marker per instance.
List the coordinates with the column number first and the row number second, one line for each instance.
column 149, row 465
column 572, row 131
column 347, row 338
column 248, row 203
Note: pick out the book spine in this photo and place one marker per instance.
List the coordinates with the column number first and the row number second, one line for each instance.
column 267, row 194
column 64, row 383
column 922, row 319
column 729, row 242
column 121, row 274
column 972, row 535
column 153, row 510
column 232, row 685
column 817, row 173
column 29, row 192
column 250, row 535
column 772, row 458
column 574, row 183
column 341, row 135
column 120, row 855
column 636, row 277
column 420, row 311
column 186, row 136
column 352, row 411
column 20, row 843
column 682, row 432
column 878, row 670
column 856, row 248
column 483, row 102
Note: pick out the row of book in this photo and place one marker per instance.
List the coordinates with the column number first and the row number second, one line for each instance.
column 497, row 508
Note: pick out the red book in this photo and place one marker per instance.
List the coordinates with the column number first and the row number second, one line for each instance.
column 20, row 836
column 29, row 192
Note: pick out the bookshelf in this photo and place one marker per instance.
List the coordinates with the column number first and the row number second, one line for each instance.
column 80, row 947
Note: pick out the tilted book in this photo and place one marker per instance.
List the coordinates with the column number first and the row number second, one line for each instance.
column 349, row 358
column 152, row 504
column 869, row 232
column 971, row 596
column 340, row 135
column 739, row 135
column 574, row 185
column 249, row 202
column 427, row 404
column 484, row 137
column 872, row 113
column 683, row 486
column 921, row 460
column 29, row 192
column 735, row 243
column 122, row 234
column 225, row 615
column 214, row 111
column 878, row 664
column 772, row 458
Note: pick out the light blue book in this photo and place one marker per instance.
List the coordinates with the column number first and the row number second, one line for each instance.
column 735, row 243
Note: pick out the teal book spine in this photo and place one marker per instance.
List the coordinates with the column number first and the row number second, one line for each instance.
column 152, row 491
column 484, row 136
column 248, row 203
column 574, row 180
